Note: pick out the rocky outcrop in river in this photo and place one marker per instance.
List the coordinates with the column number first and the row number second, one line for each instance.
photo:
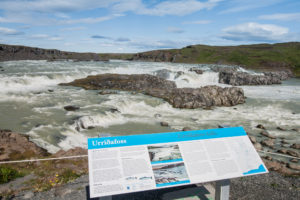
column 203, row 97
column 231, row 76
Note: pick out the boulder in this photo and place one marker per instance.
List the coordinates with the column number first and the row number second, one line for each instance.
column 266, row 134
column 164, row 124
column 196, row 70
column 295, row 146
column 280, row 128
column 186, row 129
column 114, row 110
column 260, row 126
column 189, row 98
column 71, row 108
column 268, row 143
column 106, row 92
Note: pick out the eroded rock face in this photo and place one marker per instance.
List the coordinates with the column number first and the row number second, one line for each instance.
column 236, row 78
column 136, row 82
column 203, row 97
column 14, row 146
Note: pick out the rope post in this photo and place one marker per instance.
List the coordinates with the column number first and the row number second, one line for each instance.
column 222, row 190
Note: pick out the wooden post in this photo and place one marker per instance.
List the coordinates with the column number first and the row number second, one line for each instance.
column 222, row 190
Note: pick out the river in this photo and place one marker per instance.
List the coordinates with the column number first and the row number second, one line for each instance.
column 32, row 102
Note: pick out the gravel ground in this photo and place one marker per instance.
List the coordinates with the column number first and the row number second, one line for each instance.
column 268, row 186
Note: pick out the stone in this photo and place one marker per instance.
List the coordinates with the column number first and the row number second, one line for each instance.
column 186, row 129
column 283, row 141
column 280, row 128
column 294, row 160
column 90, row 127
column 293, row 166
column 257, row 146
column 268, row 143
column 71, row 108
column 164, row 124
column 295, row 146
column 114, row 110
column 280, row 167
column 50, row 90
column 252, row 138
column 260, row 126
column 292, row 153
column 296, row 129
column 106, row 92
column 28, row 195
column 268, row 158
column 157, row 115
column 266, row 134
column 196, row 70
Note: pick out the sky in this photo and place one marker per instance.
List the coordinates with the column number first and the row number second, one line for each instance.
column 129, row 26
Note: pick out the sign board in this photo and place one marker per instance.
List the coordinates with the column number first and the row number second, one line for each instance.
column 134, row 163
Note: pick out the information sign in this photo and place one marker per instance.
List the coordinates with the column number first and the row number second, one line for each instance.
column 134, row 163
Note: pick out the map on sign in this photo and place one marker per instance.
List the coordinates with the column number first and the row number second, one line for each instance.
column 134, row 163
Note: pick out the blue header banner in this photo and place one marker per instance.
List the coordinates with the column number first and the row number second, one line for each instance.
column 145, row 139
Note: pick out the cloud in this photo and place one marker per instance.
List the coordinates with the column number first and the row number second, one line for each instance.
column 175, row 30
column 99, row 37
column 9, row 31
column 90, row 20
column 46, row 37
column 282, row 16
column 178, row 8
column 243, row 5
column 198, row 22
column 255, row 32
column 59, row 11
column 122, row 39
column 77, row 28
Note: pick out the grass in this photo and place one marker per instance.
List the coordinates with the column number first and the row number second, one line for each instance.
column 8, row 174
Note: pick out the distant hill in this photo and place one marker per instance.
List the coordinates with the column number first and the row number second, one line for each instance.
column 258, row 56
column 15, row 52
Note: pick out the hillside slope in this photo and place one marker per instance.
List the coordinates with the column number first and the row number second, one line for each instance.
column 14, row 52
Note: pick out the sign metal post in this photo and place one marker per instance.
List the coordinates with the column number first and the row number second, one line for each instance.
column 222, row 189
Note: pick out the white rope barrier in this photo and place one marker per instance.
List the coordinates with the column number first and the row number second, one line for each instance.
column 43, row 159
column 82, row 156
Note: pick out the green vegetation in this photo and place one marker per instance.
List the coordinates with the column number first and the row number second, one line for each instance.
column 258, row 56
column 7, row 174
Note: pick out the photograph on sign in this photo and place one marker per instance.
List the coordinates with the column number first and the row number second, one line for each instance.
column 170, row 174
column 164, row 153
